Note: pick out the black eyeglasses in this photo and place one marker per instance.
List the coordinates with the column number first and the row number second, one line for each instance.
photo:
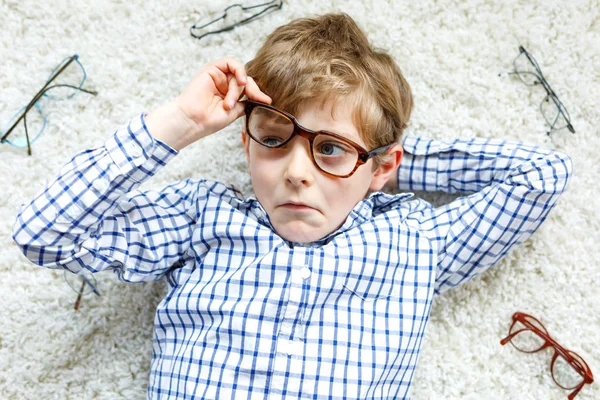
column 234, row 15
column 64, row 82
column 530, row 73
column 331, row 153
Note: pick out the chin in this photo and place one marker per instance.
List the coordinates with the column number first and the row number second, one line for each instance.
column 300, row 232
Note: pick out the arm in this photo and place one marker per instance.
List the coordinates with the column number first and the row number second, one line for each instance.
column 515, row 186
column 91, row 217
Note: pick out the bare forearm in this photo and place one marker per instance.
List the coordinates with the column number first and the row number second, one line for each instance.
column 168, row 124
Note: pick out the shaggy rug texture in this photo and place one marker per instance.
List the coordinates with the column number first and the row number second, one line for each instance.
column 139, row 54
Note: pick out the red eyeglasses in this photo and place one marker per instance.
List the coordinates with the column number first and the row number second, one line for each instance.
column 569, row 370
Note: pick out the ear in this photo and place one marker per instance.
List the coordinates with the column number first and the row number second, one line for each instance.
column 387, row 170
column 246, row 142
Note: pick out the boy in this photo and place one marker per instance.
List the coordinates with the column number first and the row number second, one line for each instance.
column 320, row 286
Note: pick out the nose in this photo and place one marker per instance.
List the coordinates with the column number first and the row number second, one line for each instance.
column 299, row 169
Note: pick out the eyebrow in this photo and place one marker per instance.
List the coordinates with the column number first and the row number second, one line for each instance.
column 346, row 135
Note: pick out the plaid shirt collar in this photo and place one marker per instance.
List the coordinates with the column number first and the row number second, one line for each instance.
column 375, row 204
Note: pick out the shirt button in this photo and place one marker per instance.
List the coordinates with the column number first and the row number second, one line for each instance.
column 134, row 150
column 290, row 347
column 100, row 185
column 74, row 211
column 305, row 273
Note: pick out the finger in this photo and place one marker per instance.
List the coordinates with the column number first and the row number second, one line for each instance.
column 254, row 93
column 234, row 113
column 220, row 79
column 231, row 65
column 238, row 110
column 233, row 94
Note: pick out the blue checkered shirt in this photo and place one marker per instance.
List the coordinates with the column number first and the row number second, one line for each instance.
column 250, row 315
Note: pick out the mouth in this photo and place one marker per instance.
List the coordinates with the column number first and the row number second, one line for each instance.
column 296, row 206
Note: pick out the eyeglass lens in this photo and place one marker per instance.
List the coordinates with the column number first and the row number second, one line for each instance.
column 272, row 129
column 550, row 108
column 528, row 70
column 66, row 82
column 564, row 374
column 526, row 340
column 232, row 16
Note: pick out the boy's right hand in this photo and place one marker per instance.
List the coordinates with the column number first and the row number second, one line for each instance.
column 206, row 105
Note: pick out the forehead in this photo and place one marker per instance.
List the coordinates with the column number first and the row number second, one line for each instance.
column 332, row 116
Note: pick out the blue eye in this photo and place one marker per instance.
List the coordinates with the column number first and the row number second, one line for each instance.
column 271, row 141
column 331, row 149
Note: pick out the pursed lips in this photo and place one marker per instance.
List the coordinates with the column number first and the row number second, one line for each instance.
column 297, row 206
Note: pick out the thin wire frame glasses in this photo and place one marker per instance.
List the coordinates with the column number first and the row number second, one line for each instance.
column 552, row 109
column 231, row 17
column 568, row 369
column 87, row 285
column 331, row 153
column 64, row 82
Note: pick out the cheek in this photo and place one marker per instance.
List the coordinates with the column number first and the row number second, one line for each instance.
column 263, row 173
column 354, row 190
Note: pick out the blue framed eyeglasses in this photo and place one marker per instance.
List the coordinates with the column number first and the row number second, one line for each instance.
column 64, row 82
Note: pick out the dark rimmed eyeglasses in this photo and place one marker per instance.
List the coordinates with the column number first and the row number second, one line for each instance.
column 234, row 15
column 331, row 153
column 64, row 82
column 568, row 369
column 530, row 73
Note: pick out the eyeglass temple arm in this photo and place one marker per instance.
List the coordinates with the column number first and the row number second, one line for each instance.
column 87, row 281
column 576, row 391
column 512, row 335
column 548, row 341
column 80, row 295
column 35, row 100
column 378, row 150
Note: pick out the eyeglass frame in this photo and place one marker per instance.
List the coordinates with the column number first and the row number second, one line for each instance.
column 80, row 292
column 562, row 110
column 363, row 154
column 40, row 94
column 583, row 370
column 270, row 5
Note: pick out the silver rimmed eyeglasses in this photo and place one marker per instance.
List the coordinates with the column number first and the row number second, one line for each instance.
column 530, row 73
column 232, row 16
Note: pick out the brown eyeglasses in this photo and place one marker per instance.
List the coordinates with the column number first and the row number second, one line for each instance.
column 568, row 369
column 331, row 153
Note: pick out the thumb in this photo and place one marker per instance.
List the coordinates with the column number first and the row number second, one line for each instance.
column 237, row 110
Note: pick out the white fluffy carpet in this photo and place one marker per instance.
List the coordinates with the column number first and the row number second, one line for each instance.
column 139, row 54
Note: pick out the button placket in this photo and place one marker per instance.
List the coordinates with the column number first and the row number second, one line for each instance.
column 305, row 272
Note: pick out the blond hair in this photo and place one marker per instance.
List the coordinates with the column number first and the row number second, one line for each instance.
column 330, row 58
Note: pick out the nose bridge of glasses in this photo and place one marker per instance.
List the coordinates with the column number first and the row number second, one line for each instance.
column 306, row 133
column 297, row 146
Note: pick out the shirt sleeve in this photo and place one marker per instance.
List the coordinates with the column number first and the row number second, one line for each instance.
column 514, row 188
column 91, row 217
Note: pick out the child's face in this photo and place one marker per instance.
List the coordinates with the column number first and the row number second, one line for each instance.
column 303, row 203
